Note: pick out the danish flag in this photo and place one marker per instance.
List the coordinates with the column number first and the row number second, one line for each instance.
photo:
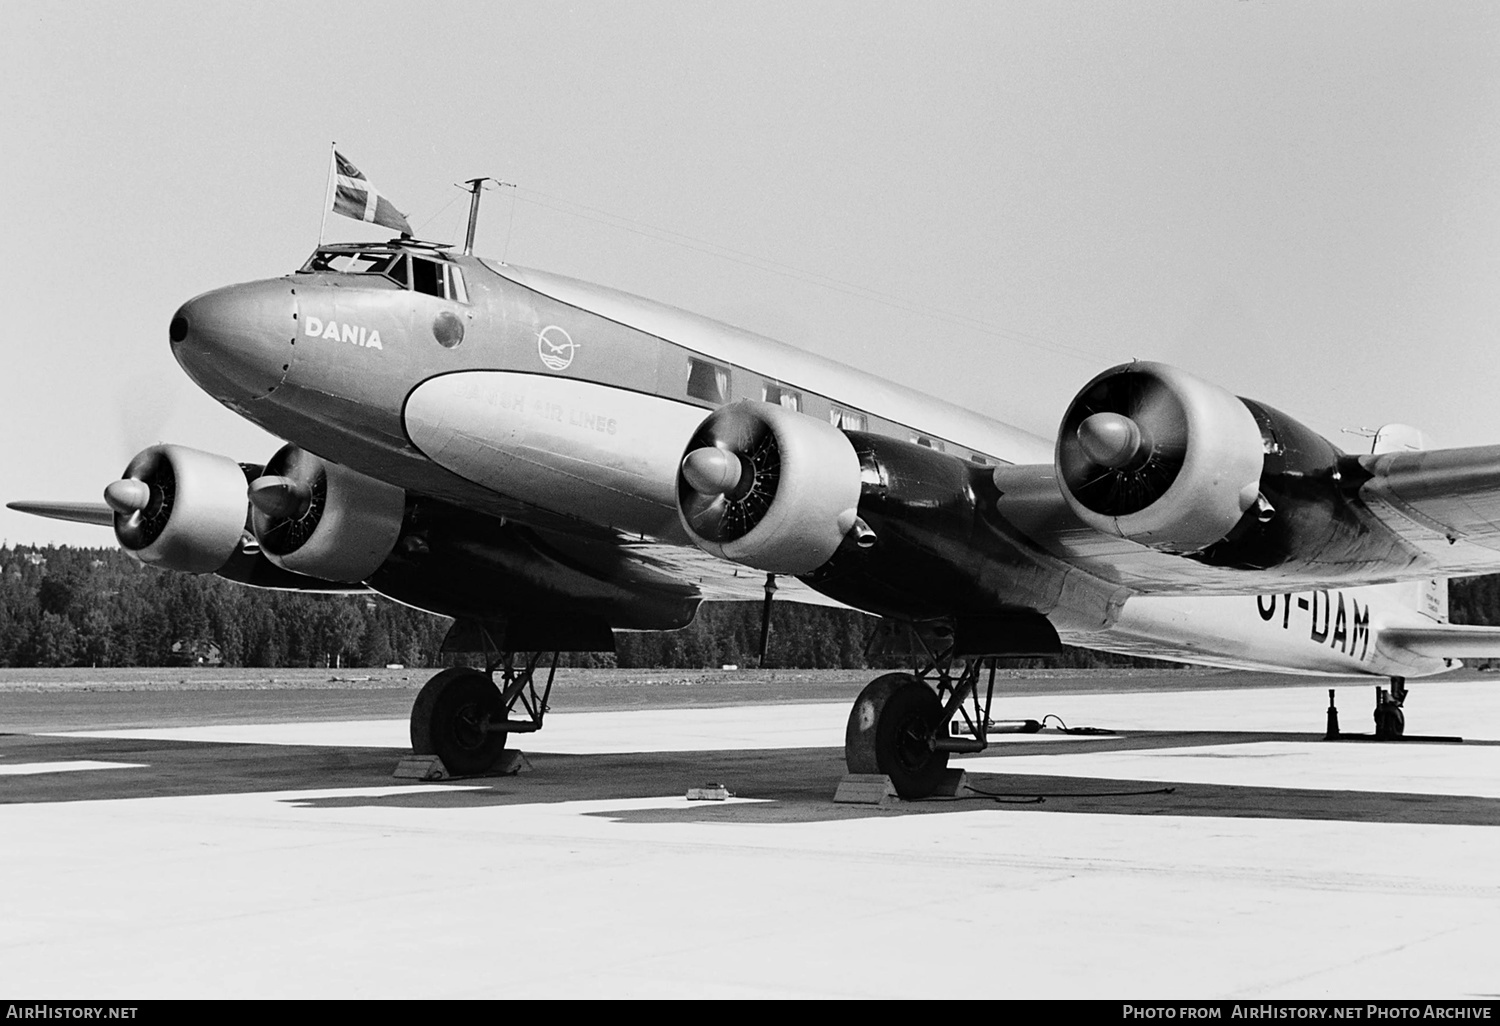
column 355, row 197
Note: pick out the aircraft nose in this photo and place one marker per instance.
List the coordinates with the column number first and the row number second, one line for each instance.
column 236, row 342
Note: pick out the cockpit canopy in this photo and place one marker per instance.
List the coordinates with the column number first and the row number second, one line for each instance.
column 431, row 274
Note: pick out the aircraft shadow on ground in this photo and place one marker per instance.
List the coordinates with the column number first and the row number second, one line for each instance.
column 785, row 785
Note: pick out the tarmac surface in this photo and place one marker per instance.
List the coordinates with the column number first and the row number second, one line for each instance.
column 237, row 834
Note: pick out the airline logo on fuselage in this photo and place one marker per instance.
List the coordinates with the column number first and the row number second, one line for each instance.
column 1339, row 625
column 354, row 334
column 556, row 348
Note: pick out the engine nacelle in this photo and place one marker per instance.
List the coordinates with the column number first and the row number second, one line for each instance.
column 180, row 508
column 1150, row 453
column 768, row 487
column 322, row 519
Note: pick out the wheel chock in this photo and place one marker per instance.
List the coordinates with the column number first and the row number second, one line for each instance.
column 421, row 767
column 955, row 783
column 877, row 789
column 430, row 767
column 511, row 763
column 866, row 789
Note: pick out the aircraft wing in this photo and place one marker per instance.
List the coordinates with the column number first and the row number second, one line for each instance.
column 720, row 581
column 1438, row 511
column 1445, row 502
column 247, row 564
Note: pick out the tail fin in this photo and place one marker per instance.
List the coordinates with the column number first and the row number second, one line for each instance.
column 1399, row 438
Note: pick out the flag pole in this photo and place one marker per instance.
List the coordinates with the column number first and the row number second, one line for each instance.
column 327, row 194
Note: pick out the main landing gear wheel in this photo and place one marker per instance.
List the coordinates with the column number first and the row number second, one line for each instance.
column 891, row 730
column 452, row 719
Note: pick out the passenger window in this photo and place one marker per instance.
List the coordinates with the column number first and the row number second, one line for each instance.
column 847, row 420
column 929, row 443
column 427, row 277
column 978, row 459
column 784, row 397
column 708, row 381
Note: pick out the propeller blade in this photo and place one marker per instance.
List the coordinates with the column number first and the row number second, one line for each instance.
column 78, row 512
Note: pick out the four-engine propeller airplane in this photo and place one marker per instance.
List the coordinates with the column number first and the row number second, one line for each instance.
column 549, row 461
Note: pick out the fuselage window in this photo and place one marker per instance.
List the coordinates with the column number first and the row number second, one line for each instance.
column 847, row 420
column 784, row 397
column 929, row 443
column 427, row 277
column 707, row 381
column 980, row 460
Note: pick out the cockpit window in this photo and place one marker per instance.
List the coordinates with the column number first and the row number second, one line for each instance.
column 343, row 261
column 420, row 274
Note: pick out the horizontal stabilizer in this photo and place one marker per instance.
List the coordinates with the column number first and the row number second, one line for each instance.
column 1446, row 641
column 96, row 513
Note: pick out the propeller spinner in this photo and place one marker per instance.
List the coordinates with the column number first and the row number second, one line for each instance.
column 1114, row 441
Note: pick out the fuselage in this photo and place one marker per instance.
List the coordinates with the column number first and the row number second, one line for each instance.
column 564, row 405
column 542, row 371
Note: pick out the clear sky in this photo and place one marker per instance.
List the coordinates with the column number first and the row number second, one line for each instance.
column 990, row 201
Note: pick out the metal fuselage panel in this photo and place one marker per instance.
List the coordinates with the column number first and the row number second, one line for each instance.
column 1327, row 631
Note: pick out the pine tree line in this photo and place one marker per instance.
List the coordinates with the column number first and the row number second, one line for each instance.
column 64, row 606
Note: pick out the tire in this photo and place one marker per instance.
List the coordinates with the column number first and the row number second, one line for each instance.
column 446, row 721
column 889, row 728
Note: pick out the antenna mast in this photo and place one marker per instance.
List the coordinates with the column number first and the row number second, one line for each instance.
column 476, row 186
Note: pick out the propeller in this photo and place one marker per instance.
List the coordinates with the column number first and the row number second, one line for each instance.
column 143, row 498
column 1114, row 441
column 713, row 471
column 127, row 495
column 729, row 475
column 1123, row 442
column 287, row 500
column 280, row 497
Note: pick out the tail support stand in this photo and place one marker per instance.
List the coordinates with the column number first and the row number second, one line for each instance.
column 1390, row 719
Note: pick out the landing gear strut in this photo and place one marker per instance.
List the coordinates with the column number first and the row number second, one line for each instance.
column 899, row 723
column 463, row 715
